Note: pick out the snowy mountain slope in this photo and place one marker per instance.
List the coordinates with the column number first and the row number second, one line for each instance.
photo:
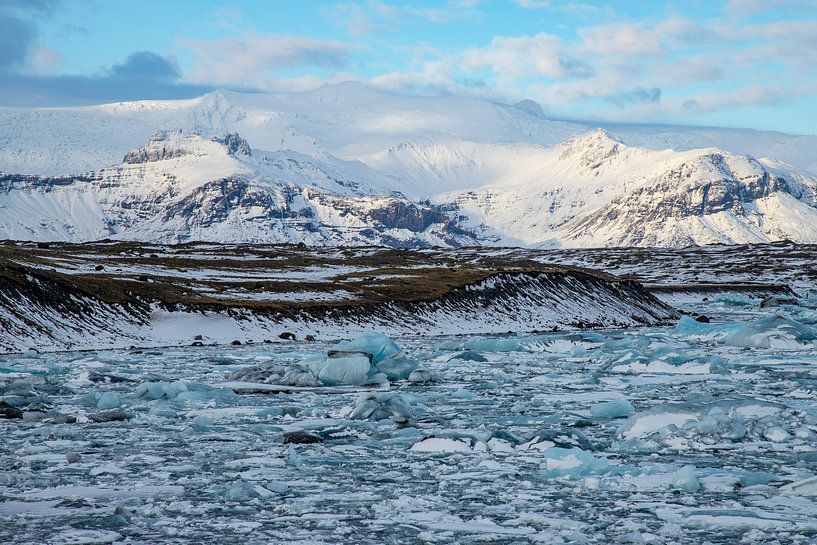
column 715, row 198
column 347, row 164
column 347, row 120
column 796, row 150
column 590, row 190
column 595, row 191
column 181, row 187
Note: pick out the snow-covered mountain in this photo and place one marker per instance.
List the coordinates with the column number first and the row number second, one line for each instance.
column 346, row 164
column 595, row 191
column 183, row 187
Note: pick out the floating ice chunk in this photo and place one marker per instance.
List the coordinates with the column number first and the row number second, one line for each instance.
column 360, row 361
column 806, row 487
column 441, row 444
column 381, row 406
column 295, row 459
column 569, row 344
column 773, row 331
column 108, row 400
column 574, row 345
column 203, row 422
column 618, row 408
column 645, row 424
column 259, row 373
column 334, row 371
column 696, row 425
column 470, row 355
column 378, row 345
column 192, row 396
column 776, row 434
column 159, row 390
column 687, row 480
column 496, row 444
column 244, row 491
column 420, row 375
column 397, row 366
column 664, row 367
column 487, row 344
column 174, row 389
column 162, row 409
column 690, row 327
column 572, row 463
column 86, row 537
column 564, row 438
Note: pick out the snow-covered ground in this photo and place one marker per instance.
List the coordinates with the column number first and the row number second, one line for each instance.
column 107, row 295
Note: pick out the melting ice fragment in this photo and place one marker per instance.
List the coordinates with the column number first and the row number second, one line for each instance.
column 159, row 390
column 108, row 400
column 572, row 463
column 441, row 445
column 361, row 360
column 774, row 331
column 334, row 370
column 244, row 491
column 618, row 408
column 806, row 487
column 381, row 406
column 696, row 425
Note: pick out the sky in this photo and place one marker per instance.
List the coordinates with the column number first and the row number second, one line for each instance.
column 736, row 63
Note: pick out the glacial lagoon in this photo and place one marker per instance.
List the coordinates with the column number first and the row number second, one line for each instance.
column 687, row 434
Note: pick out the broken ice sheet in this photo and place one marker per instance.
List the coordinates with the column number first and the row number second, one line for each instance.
column 653, row 435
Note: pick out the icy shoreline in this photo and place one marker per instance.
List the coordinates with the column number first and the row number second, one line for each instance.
column 119, row 296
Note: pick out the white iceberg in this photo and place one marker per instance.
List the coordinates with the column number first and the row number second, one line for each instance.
column 361, row 360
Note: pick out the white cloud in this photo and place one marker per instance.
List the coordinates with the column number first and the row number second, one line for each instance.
column 749, row 7
column 256, row 58
column 43, row 60
column 532, row 4
column 627, row 70
column 517, row 57
column 621, row 39
column 378, row 16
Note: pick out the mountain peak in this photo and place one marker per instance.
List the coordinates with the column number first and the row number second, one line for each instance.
column 591, row 148
column 235, row 144
column 530, row 107
column 164, row 145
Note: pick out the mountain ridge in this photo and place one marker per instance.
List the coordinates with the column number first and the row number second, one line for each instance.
column 347, row 120
column 590, row 190
column 350, row 165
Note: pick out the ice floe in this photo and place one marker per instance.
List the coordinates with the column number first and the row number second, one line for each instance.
column 660, row 436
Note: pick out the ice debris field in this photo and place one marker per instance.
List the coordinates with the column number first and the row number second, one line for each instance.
column 690, row 434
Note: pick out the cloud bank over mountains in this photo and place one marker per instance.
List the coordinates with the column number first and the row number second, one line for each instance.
column 588, row 60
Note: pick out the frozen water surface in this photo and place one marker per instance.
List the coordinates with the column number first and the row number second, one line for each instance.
column 688, row 434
